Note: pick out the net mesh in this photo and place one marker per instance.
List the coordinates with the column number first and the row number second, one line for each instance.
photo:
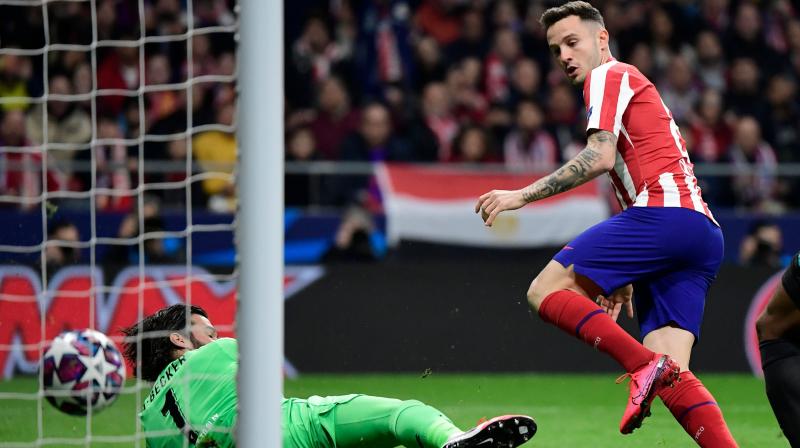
column 116, row 140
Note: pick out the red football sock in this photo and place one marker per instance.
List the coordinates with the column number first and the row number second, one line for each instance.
column 696, row 410
column 581, row 317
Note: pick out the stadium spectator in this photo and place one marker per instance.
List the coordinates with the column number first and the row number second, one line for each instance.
column 430, row 66
column 355, row 238
column 436, row 18
column 756, row 185
column 374, row 141
column 663, row 40
column 82, row 81
column 744, row 96
column 532, row 35
column 315, row 53
column 106, row 19
column 710, row 131
column 564, row 119
column 383, row 52
column 335, row 117
column 203, row 62
column 119, row 69
column 710, row 61
column 472, row 41
column 66, row 124
column 473, row 145
column 715, row 15
column 157, row 249
column 59, row 251
column 762, row 246
column 215, row 151
column 783, row 118
column 438, row 116
column 113, row 168
column 526, row 81
column 160, row 103
column 20, row 172
column 301, row 189
column 15, row 71
column 463, row 83
column 746, row 39
column 642, row 58
column 499, row 63
column 505, row 16
column 529, row 146
column 679, row 91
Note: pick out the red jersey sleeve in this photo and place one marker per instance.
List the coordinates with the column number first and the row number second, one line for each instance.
column 607, row 93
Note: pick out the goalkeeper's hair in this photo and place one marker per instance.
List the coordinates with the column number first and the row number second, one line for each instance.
column 151, row 337
column 583, row 10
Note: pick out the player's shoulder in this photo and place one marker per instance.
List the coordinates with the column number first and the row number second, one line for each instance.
column 223, row 344
column 633, row 72
column 620, row 68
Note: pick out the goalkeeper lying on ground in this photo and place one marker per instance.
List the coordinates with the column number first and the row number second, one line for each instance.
column 193, row 399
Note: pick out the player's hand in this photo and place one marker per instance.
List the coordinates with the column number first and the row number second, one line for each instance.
column 492, row 203
column 613, row 304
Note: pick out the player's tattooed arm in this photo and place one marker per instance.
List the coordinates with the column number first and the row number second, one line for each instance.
column 595, row 159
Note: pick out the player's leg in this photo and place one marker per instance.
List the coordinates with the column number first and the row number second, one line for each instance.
column 778, row 330
column 605, row 257
column 670, row 313
column 561, row 297
column 367, row 421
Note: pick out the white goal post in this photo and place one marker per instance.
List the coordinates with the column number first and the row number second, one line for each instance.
column 260, row 316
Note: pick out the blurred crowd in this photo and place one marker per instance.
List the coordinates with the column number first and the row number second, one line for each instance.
column 472, row 81
column 105, row 132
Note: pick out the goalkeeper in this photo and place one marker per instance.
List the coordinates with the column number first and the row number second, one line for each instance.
column 193, row 399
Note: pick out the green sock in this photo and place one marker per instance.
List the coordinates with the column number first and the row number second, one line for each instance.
column 417, row 424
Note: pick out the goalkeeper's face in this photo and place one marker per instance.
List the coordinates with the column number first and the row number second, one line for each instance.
column 578, row 45
column 201, row 332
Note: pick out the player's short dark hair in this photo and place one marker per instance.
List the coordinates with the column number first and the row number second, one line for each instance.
column 583, row 10
column 156, row 349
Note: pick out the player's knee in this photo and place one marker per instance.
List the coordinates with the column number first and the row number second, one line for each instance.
column 406, row 404
column 402, row 406
column 536, row 294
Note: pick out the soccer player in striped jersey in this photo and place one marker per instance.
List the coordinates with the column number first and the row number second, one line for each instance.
column 193, row 401
column 778, row 330
column 663, row 250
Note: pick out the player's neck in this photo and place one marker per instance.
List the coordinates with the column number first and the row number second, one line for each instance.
column 605, row 56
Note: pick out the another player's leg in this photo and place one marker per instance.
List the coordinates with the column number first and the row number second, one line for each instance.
column 778, row 330
column 692, row 405
column 377, row 422
column 670, row 312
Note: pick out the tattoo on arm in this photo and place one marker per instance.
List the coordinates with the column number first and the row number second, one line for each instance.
column 584, row 167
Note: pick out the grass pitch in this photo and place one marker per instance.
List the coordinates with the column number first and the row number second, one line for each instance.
column 571, row 410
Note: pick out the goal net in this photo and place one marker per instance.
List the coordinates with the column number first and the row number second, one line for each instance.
column 117, row 188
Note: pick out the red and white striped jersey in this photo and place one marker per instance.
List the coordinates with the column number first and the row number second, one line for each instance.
column 652, row 168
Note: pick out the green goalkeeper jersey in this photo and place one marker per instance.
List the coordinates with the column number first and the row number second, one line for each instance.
column 193, row 401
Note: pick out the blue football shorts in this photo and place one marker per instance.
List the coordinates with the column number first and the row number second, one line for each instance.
column 670, row 255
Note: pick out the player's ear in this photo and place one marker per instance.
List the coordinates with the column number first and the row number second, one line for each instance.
column 177, row 339
column 602, row 36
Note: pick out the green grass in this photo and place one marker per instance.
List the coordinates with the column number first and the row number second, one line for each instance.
column 571, row 410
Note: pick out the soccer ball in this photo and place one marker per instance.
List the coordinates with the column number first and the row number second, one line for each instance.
column 83, row 370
